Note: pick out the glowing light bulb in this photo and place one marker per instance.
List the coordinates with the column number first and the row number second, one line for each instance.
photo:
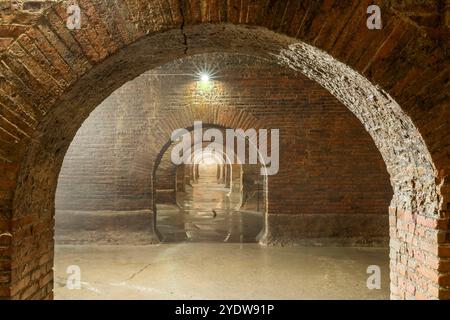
column 204, row 77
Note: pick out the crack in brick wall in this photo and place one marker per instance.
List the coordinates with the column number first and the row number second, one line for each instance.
column 50, row 75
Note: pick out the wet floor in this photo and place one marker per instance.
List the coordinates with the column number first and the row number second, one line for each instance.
column 220, row 271
column 208, row 252
column 208, row 212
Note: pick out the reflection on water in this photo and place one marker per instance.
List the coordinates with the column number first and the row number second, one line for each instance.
column 208, row 212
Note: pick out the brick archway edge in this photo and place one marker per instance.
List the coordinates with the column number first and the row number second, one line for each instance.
column 52, row 78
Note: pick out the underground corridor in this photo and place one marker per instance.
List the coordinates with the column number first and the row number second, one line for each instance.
column 216, row 150
column 207, row 210
column 330, row 193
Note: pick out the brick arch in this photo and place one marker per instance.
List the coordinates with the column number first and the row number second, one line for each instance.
column 52, row 79
column 215, row 116
column 230, row 120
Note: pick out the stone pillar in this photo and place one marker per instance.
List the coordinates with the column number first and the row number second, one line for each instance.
column 236, row 177
column 187, row 174
column 180, row 178
column 218, row 172
column 5, row 257
column 420, row 255
column 227, row 176
column 196, row 172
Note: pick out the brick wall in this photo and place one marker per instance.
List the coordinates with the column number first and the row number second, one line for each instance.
column 408, row 59
column 17, row 15
column 332, row 181
column 165, row 180
column 103, row 169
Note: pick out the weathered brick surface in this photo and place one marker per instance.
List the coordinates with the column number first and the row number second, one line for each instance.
column 170, row 180
column 110, row 162
column 413, row 66
column 16, row 20
column 165, row 178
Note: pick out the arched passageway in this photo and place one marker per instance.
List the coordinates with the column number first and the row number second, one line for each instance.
column 327, row 156
column 210, row 202
column 208, row 210
column 49, row 92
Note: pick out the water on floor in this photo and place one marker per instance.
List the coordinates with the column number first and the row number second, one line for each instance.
column 219, row 271
column 208, row 252
column 208, row 211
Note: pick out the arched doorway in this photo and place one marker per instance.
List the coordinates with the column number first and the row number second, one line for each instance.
column 54, row 105
column 211, row 201
column 313, row 133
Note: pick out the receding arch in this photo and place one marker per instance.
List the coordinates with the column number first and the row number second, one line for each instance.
column 353, row 90
column 53, row 103
column 262, row 237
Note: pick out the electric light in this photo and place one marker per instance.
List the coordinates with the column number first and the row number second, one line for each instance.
column 204, row 77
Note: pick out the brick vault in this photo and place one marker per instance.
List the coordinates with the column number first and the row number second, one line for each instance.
column 394, row 80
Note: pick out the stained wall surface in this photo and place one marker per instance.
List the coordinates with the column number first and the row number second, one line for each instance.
column 332, row 181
